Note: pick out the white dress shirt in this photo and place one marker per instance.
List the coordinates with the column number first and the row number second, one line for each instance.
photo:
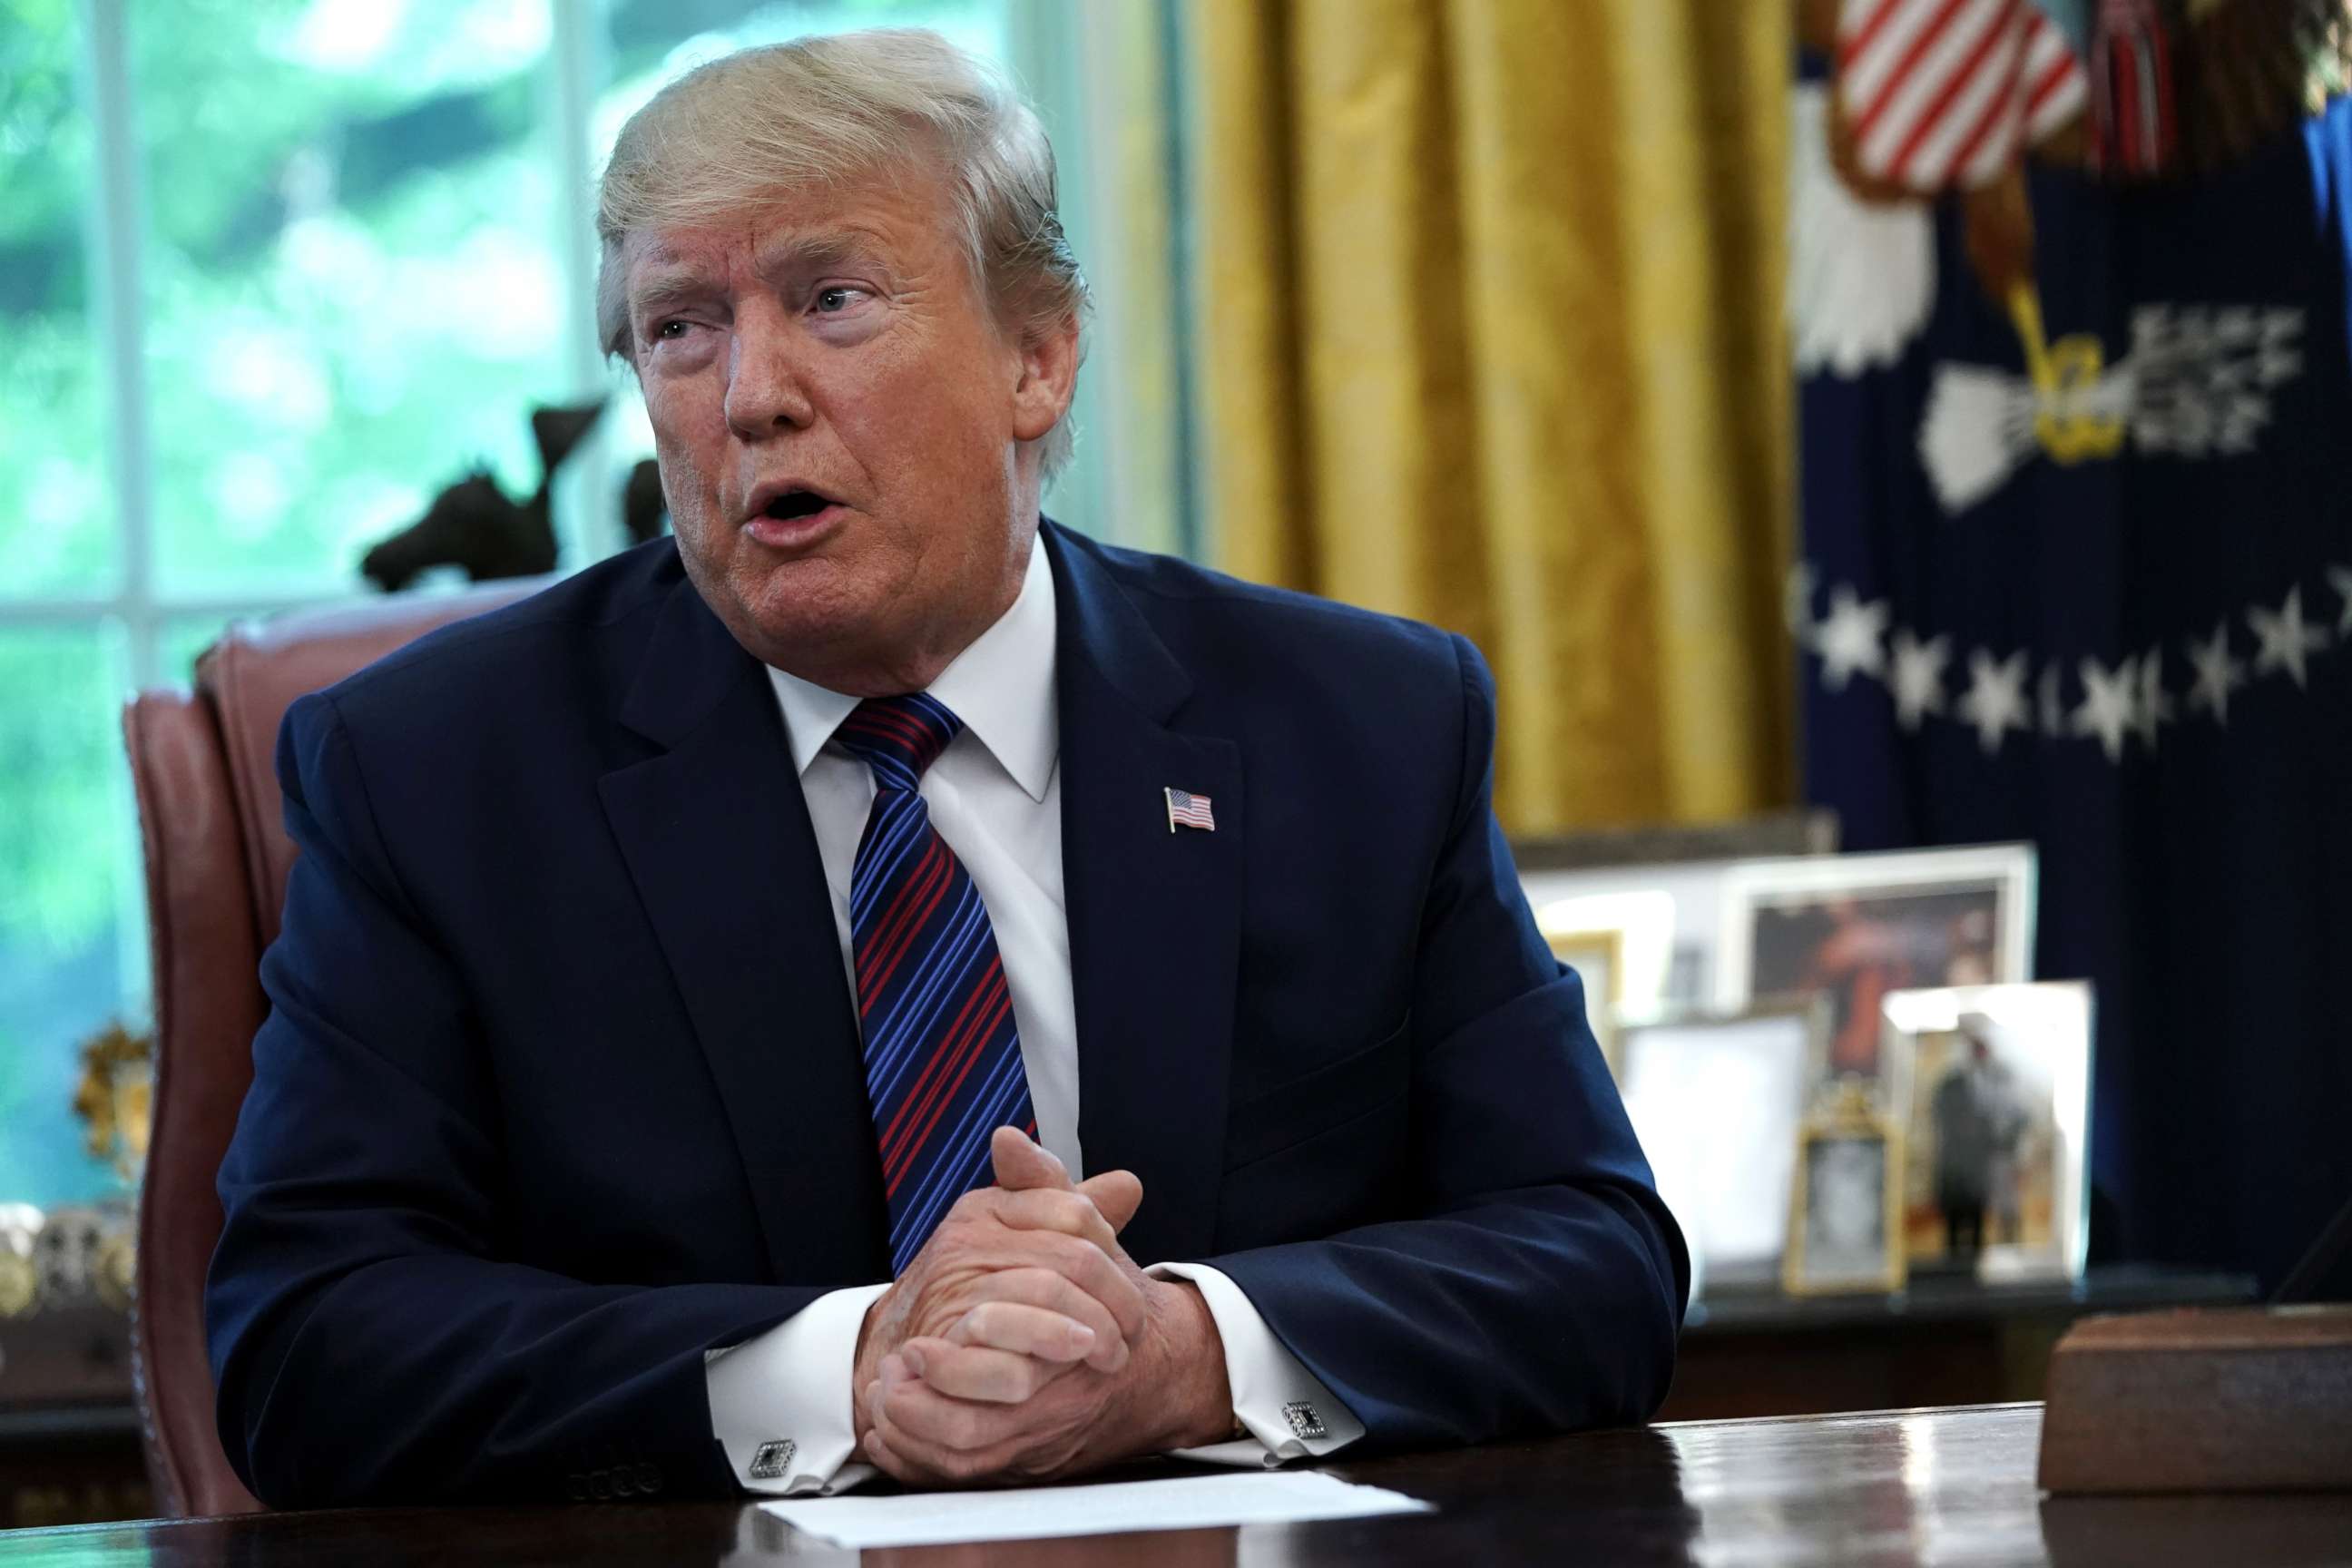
column 781, row 1403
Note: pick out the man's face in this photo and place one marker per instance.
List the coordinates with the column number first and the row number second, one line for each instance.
column 838, row 415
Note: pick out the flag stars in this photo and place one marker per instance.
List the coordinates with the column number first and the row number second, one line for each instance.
column 1995, row 702
column 2340, row 579
column 1918, row 681
column 1853, row 638
column 2286, row 643
column 2217, row 674
column 2130, row 699
column 2108, row 704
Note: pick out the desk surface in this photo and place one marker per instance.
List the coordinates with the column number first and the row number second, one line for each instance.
column 1944, row 1487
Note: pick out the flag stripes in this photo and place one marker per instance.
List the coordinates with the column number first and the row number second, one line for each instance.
column 1938, row 94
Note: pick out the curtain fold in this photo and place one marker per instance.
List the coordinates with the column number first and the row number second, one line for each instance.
column 1490, row 335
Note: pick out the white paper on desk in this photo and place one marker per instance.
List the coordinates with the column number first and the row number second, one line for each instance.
column 1189, row 1502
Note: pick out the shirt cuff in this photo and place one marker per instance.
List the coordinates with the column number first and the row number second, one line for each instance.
column 1285, row 1409
column 781, row 1403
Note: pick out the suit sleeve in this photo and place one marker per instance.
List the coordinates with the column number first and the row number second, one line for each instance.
column 1538, row 1282
column 368, row 1343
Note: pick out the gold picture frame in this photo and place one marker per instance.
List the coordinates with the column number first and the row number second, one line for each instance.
column 1845, row 1203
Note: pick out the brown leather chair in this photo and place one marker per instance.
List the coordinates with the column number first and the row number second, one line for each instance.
column 217, row 856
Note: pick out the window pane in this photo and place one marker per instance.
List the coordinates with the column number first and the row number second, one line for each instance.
column 57, row 512
column 183, row 639
column 72, row 937
column 352, row 288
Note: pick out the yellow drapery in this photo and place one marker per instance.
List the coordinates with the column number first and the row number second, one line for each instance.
column 1490, row 330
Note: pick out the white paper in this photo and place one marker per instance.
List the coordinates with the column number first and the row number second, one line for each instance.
column 1190, row 1502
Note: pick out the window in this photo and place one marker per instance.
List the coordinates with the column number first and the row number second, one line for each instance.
column 272, row 272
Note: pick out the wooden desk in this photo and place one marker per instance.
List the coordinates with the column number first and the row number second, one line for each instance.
column 1945, row 1486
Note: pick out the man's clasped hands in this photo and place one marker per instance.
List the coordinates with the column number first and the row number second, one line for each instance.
column 1023, row 1343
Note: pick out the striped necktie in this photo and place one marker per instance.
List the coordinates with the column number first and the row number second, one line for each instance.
column 944, row 1066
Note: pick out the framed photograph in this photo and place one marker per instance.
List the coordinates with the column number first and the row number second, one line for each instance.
column 1854, row 928
column 1845, row 1210
column 1718, row 1100
column 1598, row 959
column 1997, row 1124
column 1620, row 944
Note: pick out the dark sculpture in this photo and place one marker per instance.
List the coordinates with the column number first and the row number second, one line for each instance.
column 644, row 510
column 473, row 524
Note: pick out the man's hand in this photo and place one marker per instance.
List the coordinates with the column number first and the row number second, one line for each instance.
column 978, row 1404
column 1034, row 1265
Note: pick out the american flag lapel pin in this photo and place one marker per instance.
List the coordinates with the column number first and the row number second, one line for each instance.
column 1189, row 811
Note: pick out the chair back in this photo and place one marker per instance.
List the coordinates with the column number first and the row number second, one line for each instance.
column 216, row 854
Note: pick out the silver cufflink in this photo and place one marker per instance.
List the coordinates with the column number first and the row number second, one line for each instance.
column 775, row 1458
column 1303, row 1420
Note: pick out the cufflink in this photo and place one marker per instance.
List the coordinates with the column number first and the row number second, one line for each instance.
column 773, row 1460
column 1303, row 1420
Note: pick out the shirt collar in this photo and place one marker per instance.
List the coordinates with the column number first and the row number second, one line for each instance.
column 1002, row 687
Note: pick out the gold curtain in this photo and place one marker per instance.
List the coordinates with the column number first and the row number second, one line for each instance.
column 1490, row 328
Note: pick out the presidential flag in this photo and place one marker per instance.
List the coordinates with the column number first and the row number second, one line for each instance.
column 2076, row 568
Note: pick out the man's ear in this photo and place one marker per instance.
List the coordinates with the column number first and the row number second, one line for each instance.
column 1049, row 376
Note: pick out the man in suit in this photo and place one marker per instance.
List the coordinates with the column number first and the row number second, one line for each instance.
column 702, row 983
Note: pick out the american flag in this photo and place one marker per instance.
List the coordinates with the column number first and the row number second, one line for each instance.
column 1189, row 811
column 1942, row 94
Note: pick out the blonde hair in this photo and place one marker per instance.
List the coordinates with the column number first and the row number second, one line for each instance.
column 758, row 124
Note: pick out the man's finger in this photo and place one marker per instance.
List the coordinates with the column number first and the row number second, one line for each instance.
column 1042, row 1288
column 879, row 1454
column 1115, row 1195
column 912, row 1406
column 1024, row 1330
column 1023, row 1163
column 1091, row 1270
column 1067, row 1212
column 979, row 1372
column 929, row 1468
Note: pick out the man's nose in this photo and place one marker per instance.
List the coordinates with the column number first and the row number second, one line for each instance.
column 766, row 385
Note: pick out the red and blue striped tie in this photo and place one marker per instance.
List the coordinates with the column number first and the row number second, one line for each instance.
column 944, row 1066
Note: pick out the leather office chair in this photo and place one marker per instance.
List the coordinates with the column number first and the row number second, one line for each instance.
column 217, row 857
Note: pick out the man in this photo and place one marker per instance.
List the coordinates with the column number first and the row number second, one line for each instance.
column 680, row 964
column 1977, row 1121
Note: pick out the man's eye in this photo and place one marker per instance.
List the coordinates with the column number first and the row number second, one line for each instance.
column 832, row 302
column 668, row 330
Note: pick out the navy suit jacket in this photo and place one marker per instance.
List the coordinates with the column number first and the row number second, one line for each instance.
column 562, row 1086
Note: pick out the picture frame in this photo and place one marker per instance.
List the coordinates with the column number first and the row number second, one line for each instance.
column 1846, row 1202
column 1996, row 1123
column 1716, row 1100
column 1598, row 959
column 1855, row 928
column 1621, row 945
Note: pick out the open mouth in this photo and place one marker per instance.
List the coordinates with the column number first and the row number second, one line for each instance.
column 794, row 504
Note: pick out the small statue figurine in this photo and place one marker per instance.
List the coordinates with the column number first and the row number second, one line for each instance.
column 475, row 525
column 644, row 510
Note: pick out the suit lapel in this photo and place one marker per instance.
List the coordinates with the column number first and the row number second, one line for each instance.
column 1154, row 915
column 717, row 837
